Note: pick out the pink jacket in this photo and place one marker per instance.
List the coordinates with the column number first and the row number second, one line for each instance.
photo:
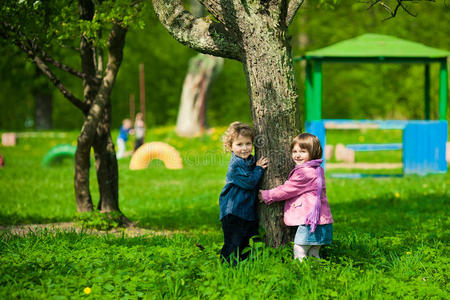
column 300, row 192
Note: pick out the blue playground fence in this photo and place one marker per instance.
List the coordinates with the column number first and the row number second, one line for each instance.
column 374, row 147
column 424, row 142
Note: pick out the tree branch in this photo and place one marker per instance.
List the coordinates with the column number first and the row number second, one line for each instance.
column 46, row 70
column 293, row 7
column 393, row 11
column 215, row 8
column 47, row 58
column 99, row 57
column 37, row 51
column 400, row 4
column 55, row 80
column 60, row 86
column 87, row 12
column 116, row 42
column 201, row 34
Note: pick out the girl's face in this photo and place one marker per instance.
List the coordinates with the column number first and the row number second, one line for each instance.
column 242, row 146
column 300, row 155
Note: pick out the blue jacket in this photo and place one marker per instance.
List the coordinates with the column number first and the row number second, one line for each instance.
column 238, row 196
column 123, row 133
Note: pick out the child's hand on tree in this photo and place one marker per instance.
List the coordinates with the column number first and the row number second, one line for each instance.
column 262, row 162
column 260, row 196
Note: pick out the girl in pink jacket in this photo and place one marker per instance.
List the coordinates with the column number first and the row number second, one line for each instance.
column 306, row 203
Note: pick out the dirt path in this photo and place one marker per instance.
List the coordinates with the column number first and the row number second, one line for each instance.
column 131, row 231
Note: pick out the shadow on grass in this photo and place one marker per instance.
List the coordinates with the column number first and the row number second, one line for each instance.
column 175, row 219
column 183, row 219
column 388, row 213
column 12, row 219
column 387, row 226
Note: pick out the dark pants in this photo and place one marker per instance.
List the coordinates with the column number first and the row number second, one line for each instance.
column 138, row 143
column 237, row 233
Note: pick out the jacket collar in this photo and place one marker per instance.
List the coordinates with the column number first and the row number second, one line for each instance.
column 309, row 164
column 249, row 161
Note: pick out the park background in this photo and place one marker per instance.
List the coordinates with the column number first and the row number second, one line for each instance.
column 350, row 91
column 391, row 234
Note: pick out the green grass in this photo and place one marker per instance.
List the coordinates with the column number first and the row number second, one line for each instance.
column 390, row 235
column 368, row 136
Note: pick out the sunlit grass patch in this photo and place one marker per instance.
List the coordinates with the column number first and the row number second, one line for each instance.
column 390, row 234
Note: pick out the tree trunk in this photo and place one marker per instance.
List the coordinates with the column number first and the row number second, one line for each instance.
column 272, row 89
column 86, row 137
column 106, row 165
column 96, row 127
column 81, row 178
column 95, row 106
column 43, row 109
column 191, row 119
column 42, row 103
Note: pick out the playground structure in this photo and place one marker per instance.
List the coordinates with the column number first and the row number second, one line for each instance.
column 423, row 146
column 156, row 150
column 424, row 142
column 58, row 153
column 9, row 139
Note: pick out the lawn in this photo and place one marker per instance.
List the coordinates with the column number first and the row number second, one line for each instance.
column 390, row 234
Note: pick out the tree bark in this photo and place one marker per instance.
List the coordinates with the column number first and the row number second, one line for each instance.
column 272, row 90
column 106, row 165
column 81, row 178
column 86, row 137
column 191, row 120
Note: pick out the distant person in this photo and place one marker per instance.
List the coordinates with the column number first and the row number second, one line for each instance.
column 306, row 203
column 2, row 161
column 139, row 130
column 238, row 197
column 122, row 139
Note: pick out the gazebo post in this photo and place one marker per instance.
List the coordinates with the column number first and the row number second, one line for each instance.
column 309, row 90
column 443, row 88
column 317, row 84
column 427, row 92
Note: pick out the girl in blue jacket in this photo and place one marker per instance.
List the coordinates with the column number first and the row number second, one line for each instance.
column 238, row 197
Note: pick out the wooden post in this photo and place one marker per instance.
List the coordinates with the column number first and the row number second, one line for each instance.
column 443, row 90
column 142, row 90
column 309, row 90
column 132, row 110
column 317, row 97
column 427, row 92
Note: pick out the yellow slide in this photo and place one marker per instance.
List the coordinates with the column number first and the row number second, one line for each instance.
column 156, row 150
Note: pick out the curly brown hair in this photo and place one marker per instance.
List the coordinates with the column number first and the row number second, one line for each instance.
column 234, row 130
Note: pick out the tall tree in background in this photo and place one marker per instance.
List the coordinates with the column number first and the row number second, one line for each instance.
column 43, row 102
column 191, row 119
column 256, row 34
column 203, row 69
column 96, row 31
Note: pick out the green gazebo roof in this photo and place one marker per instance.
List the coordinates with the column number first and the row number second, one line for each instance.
column 372, row 45
column 374, row 48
